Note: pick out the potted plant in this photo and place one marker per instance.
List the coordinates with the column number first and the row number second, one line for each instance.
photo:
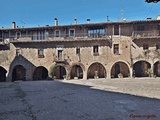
column 150, row 72
column 120, row 75
column 64, row 77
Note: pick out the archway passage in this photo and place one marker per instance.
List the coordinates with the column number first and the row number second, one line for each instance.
column 157, row 69
column 96, row 70
column 76, row 71
column 19, row 73
column 59, row 72
column 140, row 68
column 40, row 73
column 2, row 74
column 120, row 67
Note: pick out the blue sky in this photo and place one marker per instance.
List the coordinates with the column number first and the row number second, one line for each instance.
column 43, row 12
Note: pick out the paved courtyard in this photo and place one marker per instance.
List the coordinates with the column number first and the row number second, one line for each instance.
column 116, row 99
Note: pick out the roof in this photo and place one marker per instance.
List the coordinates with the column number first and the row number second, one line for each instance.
column 85, row 25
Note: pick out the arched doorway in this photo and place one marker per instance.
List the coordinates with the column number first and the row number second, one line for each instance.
column 19, row 73
column 59, row 72
column 157, row 69
column 140, row 68
column 76, row 71
column 96, row 70
column 120, row 67
column 2, row 74
column 40, row 73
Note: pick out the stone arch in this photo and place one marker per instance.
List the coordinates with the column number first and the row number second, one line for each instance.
column 96, row 70
column 76, row 71
column 140, row 68
column 19, row 73
column 2, row 74
column 157, row 69
column 40, row 73
column 59, row 72
column 120, row 67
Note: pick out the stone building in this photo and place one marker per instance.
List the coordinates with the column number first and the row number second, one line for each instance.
column 80, row 51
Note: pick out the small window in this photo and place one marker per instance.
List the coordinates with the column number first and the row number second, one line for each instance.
column 78, row 51
column 57, row 33
column 72, row 33
column 145, row 47
column 95, row 50
column 18, row 35
column 140, row 28
column 60, row 55
column 41, row 53
column 34, row 36
column 18, row 51
column 116, row 49
column 116, row 29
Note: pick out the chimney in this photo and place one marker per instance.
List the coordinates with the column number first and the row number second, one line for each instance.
column 13, row 24
column 88, row 21
column 55, row 22
column 75, row 21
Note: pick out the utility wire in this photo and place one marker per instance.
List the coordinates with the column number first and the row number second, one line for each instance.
column 149, row 11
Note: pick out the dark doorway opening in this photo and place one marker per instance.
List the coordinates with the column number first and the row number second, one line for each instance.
column 59, row 72
column 120, row 68
column 141, row 68
column 96, row 70
column 2, row 74
column 19, row 73
column 40, row 73
column 76, row 72
column 157, row 69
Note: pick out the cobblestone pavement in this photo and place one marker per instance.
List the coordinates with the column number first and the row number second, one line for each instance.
column 147, row 87
column 117, row 99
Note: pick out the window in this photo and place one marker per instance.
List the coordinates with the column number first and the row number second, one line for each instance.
column 116, row 49
column 140, row 28
column 71, row 33
column 38, row 35
column 78, row 51
column 40, row 53
column 34, row 36
column 145, row 47
column 95, row 50
column 18, row 35
column 18, row 51
column 116, row 29
column 57, row 33
column 59, row 53
column 96, row 32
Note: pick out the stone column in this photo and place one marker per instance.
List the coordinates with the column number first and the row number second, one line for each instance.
column 84, row 75
column 131, row 73
column 152, row 67
column 108, row 75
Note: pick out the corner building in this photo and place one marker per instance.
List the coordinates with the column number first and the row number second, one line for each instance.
column 80, row 51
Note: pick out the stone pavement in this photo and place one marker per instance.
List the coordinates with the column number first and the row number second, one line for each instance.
column 147, row 87
column 81, row 100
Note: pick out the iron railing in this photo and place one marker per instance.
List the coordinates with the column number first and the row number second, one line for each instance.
column 58, row 37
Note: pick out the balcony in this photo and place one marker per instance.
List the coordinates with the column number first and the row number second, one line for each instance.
column 147, row 34
column 60, row 37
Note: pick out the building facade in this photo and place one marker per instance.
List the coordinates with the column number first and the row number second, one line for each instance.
column 80, row 51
